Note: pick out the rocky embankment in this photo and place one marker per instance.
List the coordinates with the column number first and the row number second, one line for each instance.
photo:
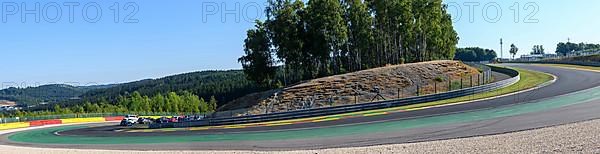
column 359, row 87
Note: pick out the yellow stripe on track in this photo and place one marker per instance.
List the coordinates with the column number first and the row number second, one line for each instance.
column 199, row 128
column 326, row 119
column 374, row 114
column 279, row 124
column 168, row 130
column 234, row 126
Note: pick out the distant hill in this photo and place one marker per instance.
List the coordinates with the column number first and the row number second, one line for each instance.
column 224, row 85
column 45, row 93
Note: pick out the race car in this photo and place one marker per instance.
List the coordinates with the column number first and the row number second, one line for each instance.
column 129, row 120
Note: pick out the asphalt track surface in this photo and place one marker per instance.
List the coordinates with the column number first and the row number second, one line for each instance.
column 569, row 81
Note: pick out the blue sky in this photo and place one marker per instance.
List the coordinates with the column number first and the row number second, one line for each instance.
column 170, row 37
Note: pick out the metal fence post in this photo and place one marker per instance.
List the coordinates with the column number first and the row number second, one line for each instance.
column 355, row 98
column 483, row 77
column 471, row 78
column 461, row 82
column 478, row 79
column 486, row 77
column 418, row 91
column 449, row 83
column 435, row 87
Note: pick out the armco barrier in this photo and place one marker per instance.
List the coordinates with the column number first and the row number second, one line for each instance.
column 352, row 108
column 582, row 63
column 82, row 120
column 36, row 123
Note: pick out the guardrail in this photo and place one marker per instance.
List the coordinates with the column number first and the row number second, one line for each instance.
column 37, row 123
column 352, row 108
column 589, row 63
column 90, row 115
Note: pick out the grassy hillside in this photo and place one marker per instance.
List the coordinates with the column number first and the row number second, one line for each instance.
column 45, row 93
column 224, row 85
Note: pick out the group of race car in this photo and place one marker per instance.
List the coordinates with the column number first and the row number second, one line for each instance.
column 130, row 120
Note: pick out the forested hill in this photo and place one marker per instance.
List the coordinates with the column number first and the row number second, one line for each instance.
column 45, row 93
column 224, row 85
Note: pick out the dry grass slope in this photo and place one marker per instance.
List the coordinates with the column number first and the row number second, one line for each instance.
column 342, row 88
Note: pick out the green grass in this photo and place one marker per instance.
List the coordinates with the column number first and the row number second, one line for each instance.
column 574, row 66
column 529, row 79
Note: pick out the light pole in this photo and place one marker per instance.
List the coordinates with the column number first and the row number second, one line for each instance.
column 501, row 52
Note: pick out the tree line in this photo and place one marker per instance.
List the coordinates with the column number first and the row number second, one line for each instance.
column 224, row 86
column 184, row 102
column 475, row 54
column 44, row 93
column 565, row 48
column 325, row 37
column 538, row 50
column 171, row 102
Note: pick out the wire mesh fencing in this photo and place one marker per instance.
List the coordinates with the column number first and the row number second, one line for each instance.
column 359, row 95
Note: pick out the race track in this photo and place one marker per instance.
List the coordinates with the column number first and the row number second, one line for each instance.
column 574, row 97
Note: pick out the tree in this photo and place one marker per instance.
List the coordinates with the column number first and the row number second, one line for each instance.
column 136, row 102
column 212, row 104
column 328, row 33
column 258, row 63
column 513, row 50
column 449, row 36
column 565, row 48
column 78, row 109
column 360, row 34
column 537, row 50
column 203, row 106
column 158, row 103
column 58, row 109
column 428, row 17
column 286, row 29
column 92, row 108
column 191, row 102
column 146, row 107
column 466, row 55
column 562, row 49
column 174, row 101
column 334, row 36
column 475, row 54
